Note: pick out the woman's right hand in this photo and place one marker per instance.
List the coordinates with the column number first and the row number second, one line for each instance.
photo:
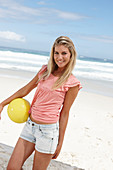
column 1, row 108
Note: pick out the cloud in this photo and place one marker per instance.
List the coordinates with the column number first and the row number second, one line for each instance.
column 13, row 10
column 100, row 38
column 70, row 16
column 8, row 35
column 41, row 3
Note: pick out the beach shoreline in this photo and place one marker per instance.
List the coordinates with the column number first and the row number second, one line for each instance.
column 90, row 85
column 88, row 141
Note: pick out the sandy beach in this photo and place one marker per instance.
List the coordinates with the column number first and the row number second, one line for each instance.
column 88, row 142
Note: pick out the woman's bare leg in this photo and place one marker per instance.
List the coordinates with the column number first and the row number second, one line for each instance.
column 22, row 151
column 41, row 160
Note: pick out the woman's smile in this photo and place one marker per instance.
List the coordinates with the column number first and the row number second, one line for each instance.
column 61, row 56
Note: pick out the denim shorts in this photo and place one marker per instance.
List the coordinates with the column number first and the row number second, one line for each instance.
column 45, row 137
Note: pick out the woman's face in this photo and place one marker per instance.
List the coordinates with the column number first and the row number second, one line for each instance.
column 61, row 56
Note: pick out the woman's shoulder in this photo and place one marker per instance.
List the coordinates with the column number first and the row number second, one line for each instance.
column 43, row 68
column 72, row 81
column 72, row 78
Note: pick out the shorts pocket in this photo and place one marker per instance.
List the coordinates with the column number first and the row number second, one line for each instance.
column 48, row 133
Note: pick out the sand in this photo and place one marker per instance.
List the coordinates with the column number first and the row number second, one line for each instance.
column 88, row 141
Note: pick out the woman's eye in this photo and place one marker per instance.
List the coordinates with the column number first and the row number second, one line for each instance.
column 64, row 53
column 55, row 52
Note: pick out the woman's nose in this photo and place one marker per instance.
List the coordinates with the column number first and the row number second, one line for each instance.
column 60, row 56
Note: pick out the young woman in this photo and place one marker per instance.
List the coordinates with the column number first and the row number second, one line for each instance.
column 56, row 90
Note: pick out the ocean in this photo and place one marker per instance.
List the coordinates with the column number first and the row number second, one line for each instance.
column 31, row 60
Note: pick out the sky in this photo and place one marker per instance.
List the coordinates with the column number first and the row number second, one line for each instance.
column 35, row 24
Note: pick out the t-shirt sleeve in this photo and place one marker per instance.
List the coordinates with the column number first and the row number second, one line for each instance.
column 72, row 82
column 44, row 67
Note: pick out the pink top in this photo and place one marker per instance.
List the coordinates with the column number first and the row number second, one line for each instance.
column 47, row 103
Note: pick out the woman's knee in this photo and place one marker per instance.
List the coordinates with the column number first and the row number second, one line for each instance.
column 11, row 166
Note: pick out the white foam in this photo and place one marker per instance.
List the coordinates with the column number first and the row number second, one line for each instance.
column 31, row 62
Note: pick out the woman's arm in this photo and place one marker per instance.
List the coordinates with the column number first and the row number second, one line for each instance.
column 64, row 115
column 20, row 93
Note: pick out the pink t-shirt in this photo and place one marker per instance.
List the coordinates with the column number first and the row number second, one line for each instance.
column 47, row 103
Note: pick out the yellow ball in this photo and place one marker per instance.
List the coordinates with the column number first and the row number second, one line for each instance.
column 18, row 110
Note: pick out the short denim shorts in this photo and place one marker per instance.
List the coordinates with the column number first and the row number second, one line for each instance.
column 45, row 137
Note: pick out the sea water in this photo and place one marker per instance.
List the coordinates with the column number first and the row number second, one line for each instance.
column 31, row 60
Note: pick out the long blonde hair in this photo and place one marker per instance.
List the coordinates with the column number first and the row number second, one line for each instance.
column 52, row 66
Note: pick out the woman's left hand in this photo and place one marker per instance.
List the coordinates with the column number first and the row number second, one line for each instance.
column 55, row 155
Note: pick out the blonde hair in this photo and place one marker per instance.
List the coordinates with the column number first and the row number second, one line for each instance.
column 52, row 66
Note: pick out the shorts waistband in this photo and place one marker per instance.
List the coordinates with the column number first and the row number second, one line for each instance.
column 42, row 125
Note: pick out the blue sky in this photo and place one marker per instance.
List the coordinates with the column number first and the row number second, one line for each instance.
column 35, row 24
